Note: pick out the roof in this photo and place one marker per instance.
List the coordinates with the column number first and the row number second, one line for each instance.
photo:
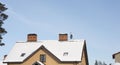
column 1, row 63
column 115, row 54
column 116, row 64
column 68, row 50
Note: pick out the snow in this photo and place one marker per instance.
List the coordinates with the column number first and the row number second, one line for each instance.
column 74, row 50
column 18, row 49
column 57, row 48
column 1, row 63
column 116, row 64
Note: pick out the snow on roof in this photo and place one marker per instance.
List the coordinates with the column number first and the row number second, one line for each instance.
column 1, row 63
column 20, row 48
column 116, row 64
column 68, row 50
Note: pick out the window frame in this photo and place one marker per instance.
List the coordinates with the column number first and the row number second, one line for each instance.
column 22, row 54
column 44, row 58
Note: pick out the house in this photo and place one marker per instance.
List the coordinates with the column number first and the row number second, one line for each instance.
column 116, row 56
column 48, row 52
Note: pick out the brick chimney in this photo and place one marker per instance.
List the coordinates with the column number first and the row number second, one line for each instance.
column 63, row 37
column 32, row 38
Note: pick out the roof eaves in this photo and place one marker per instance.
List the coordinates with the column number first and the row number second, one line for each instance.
column 13, row 62
column 70, row 61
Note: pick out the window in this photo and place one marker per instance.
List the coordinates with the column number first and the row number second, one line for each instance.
column 65, row 54
column 23, row 54
column 43, row 58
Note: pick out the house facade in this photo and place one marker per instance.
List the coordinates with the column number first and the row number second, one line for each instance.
column 48, row 52
column 116, row 56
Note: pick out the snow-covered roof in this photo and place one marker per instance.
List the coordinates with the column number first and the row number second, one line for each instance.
column 1, row 63
column 63, row 50
column 116, row 64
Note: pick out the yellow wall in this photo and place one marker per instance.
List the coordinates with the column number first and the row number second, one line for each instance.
column 117, row 57
column 50, row 59
column 83, row 62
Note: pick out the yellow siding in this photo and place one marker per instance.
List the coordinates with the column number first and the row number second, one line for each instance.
column 117, row 58
column 83, row 59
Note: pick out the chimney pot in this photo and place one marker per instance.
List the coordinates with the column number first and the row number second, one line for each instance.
column 32, row 38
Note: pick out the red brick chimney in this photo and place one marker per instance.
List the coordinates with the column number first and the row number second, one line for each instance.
column 32, row 38
column 63, row 37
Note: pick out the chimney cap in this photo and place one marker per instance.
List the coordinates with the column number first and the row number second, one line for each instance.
column 63, row 33
column 32, row 34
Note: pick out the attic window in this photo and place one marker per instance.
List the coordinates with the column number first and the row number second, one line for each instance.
column 65, row 54
column 42, row 57
column 23, row 54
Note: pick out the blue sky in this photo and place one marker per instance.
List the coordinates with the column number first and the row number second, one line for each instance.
column 97, row 21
